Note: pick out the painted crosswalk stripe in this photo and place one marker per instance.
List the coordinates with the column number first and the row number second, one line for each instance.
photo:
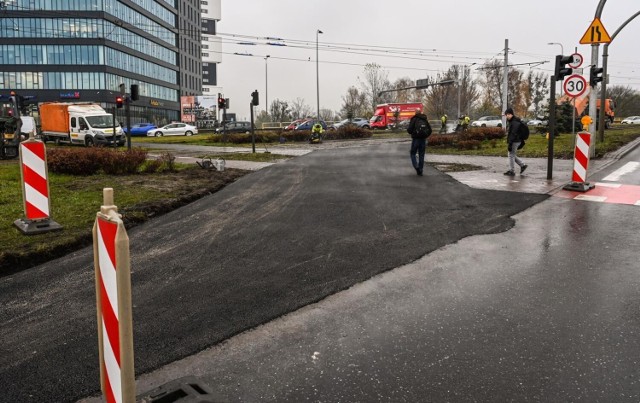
column 591, row 198
column 620, row 172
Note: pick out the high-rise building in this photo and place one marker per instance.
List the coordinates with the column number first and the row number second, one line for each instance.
column 82, row 50
column 211, row 47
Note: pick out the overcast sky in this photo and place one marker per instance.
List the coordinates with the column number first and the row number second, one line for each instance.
column 390, row 33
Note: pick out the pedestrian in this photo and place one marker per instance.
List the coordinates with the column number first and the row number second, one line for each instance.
column 465, row 123
column 514, row 139
column 419, row 129
column 443, row 119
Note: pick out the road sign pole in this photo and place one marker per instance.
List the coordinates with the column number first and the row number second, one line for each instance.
column 552, row 126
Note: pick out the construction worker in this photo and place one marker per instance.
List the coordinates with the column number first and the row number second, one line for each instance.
column 443, row 119
column 465, row 123
column 316, row 133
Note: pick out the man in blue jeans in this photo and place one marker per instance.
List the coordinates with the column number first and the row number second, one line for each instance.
column 419, row 129
column 514, row 140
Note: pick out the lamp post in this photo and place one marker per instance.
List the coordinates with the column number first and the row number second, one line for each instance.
column 318, row 32
column 561, row 52
column 266, row 84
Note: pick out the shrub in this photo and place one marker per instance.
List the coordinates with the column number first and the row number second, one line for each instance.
column 272, row 136
column 89, row 161
column 468, row 144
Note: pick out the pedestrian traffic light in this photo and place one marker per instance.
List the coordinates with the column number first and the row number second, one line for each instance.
column 221, row 104
column 135, row 92
column 595, row 75
column 561, row 70
column 119, row 102
column 255, row 98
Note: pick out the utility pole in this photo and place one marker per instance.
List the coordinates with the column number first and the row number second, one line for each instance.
column 505, row 83
column 592, row 94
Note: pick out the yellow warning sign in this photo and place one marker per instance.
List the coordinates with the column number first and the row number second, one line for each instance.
column 596, row 33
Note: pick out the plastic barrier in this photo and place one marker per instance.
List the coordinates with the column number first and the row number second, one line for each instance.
column 35, row 189
column 113, row 300
column 581, row 163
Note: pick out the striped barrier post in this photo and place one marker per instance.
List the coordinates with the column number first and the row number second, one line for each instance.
column 35, row 189
column 113, row 300
column 580, row 164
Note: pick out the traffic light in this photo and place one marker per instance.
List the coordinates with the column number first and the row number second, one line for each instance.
column 221, row 103
column 119, row 102
column 255, row 98
column 561, row 70
column 135, row 92
column 595, row 75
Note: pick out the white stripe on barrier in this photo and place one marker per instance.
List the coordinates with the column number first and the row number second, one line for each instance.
column 34, row 162
column 582, row 146
column 40, row 201
column 111, row 365
column 108, row 274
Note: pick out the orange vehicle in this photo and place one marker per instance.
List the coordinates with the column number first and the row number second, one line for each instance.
column 385, row 114
column 582, row 104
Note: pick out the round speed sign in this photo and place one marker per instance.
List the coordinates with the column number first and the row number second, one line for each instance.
column 576, row 61
column 575, row 85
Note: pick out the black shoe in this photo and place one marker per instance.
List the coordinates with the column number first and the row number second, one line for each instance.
column 510, row 173
column 522, row 168
column 419, row 172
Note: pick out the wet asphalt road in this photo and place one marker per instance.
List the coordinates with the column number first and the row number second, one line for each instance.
column 548, row 311
column 273, row 242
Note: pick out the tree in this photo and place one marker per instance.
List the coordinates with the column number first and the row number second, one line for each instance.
column 299, row 109
column 627, row 100
column 443, row 99
column 280, row 111
column 354, row 104
column 403, row 96
column 327, row 115
column 537, row 89
column 491, row 81
column 373, row 81
column 263, row 117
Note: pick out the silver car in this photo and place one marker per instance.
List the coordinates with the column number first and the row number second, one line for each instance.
column 488, row 121
column 173, row 129
column 631, row 120
column 360, row 122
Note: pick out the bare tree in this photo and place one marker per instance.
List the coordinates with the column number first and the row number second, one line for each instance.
column 327, row 115
column 536, row 90
column 299, row 109
column 403, row 96
column 354, row 104
column 493, row 73
column 280, row 111
column 627, row 100
column 373, row 81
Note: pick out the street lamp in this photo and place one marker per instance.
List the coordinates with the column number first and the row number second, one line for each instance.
column 562, row 53
column 266, row 85
column 318, row 32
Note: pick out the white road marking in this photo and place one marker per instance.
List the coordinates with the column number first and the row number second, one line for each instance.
column 625, row 169
column 608, row 185
column 591, row 198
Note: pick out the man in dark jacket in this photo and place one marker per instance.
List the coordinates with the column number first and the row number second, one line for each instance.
column 419, row 129
column 514, row 128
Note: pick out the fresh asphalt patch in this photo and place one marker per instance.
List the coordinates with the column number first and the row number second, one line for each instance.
column 272, row 242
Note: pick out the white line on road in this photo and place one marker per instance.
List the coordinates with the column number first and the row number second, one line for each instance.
column 625, row 169
column 591, row 198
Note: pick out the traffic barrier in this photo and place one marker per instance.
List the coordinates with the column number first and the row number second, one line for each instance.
column 580, row 164
column 113, row 301
column 35, row 189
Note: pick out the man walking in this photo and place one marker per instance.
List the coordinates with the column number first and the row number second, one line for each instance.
column 514, row 139
column 419, row 129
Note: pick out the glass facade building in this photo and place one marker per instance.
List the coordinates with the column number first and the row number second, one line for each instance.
column 82, row 50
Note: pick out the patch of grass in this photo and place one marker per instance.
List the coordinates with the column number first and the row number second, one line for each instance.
column 454, row 167
column 75, row 201
column 248, row 156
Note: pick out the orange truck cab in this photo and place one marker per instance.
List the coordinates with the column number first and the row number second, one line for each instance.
column 388, row 115
column 582, row 103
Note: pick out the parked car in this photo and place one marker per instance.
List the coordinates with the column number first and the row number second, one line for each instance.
column 235, row 127
column 308, row 124
column 488, row 121
column 359, row 122
column 293, row 124
column 140, row 129
column 631, row 120
column 537, row 122
column 173, row 129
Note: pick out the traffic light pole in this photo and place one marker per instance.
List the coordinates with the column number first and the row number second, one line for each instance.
column 253, row 133
column 127, row 105
column 552, row 126
column 115, row 143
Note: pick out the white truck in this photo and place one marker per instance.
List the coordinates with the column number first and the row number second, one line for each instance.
column 78, row 123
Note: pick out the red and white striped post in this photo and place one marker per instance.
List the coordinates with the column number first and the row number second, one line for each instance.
column 580, row 164
column 113, row 298
column 35, row 189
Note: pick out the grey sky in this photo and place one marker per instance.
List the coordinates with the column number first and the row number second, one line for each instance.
column 448, row 32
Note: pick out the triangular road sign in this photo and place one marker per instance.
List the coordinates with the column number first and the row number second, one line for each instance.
column 596, row 33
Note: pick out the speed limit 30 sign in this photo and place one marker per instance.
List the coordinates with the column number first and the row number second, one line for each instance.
column 575, row 85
